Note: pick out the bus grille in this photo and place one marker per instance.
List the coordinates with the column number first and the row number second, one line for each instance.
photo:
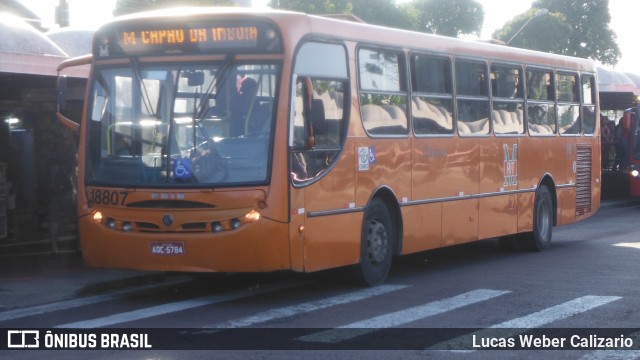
column 583, row 180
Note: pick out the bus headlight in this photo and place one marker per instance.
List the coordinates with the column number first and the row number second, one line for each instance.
column 634, row 173
column 253, row 216
column 97, row 216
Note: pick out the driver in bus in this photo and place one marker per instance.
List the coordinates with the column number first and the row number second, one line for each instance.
column 247, row 114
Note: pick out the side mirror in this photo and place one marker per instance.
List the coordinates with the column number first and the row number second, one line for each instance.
column 78, row 66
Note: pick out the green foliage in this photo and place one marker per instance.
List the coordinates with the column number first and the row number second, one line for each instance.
column 132, row 6
column 537, row 33
column 449, row 17
column 575, row 28
column 314, row 6
column 380, row 12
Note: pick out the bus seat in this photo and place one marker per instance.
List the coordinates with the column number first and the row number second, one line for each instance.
column 540, row 129
column 377, row 120
column 397, row 113
column 438, row 114
column 331, row 108
column 520, row 115
column 463, row 128
column 318, row 119
column 475, row 127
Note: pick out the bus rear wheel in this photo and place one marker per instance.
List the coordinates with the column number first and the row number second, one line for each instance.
column 376, row 244
column 540, row 238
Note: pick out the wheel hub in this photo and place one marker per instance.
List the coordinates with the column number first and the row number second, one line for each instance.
column 377, row 242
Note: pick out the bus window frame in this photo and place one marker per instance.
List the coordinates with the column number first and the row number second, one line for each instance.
column 411, row 68
column 578, row 88
column 403, row 82
column 528, row 100
column 487, row 86
column 521, row 100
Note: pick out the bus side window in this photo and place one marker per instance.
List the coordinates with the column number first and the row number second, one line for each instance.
column 568, row 94
column 541, row 107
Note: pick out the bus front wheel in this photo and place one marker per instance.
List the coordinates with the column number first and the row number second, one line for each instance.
column 540, row 237
column 376, row 244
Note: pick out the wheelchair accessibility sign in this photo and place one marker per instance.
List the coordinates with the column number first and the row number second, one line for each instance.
column 182, row 169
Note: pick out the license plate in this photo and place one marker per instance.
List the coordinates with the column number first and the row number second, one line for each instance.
column 167, row 248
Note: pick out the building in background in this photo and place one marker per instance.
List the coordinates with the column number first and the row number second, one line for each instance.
column 33, row 145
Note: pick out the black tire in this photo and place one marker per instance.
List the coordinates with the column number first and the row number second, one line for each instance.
column 376, row 244
column 540, row 238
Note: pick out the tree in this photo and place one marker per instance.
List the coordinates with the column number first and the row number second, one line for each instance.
column 314, row 6
column 449, row 17
column 131, row 6
column 380, row 12
column 536, row 34
column 576, row 28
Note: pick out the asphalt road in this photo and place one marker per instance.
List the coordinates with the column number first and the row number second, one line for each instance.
column 449, row 303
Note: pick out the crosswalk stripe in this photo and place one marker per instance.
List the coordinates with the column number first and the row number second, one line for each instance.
column 616, row 354
column 612, row 355
column 74, row 303
column 288, row 311
column 402, row 317
column 557, row 312
column 175, row 307
column 518, row 326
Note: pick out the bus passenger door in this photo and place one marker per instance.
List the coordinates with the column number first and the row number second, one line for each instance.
column 323, row 234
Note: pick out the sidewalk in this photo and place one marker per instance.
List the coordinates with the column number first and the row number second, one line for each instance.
column 39, row 279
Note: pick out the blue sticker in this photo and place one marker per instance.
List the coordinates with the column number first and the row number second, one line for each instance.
column 182, row 169
column 372, row 155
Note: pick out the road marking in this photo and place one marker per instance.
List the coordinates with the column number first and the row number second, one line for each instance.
column 176, row 306
column 616, row 354
column 557, row 312
column 612, row 355
column 519, row 325
column 289, row 311
column 85, row 301
column 402, row 317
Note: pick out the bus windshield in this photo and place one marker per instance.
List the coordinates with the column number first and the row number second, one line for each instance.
column 154, row 125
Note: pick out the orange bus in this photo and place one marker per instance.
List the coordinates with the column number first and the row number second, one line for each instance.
column 231, row 140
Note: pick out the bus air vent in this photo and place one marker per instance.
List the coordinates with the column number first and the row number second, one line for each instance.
column 583, row 180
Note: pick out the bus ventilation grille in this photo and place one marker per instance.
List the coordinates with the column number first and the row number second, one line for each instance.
column 583, row 180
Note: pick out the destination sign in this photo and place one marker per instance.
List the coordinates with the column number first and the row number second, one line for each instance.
column 157, row 39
